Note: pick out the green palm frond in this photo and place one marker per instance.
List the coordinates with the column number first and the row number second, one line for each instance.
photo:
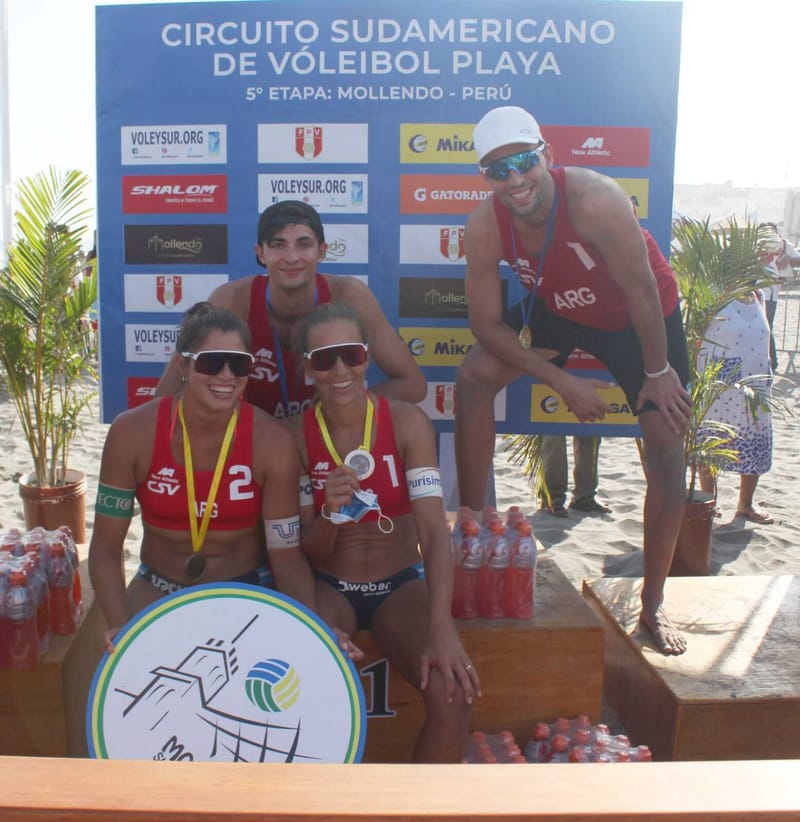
column 47, row 345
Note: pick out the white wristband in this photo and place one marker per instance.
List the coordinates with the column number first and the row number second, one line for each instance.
column 657, row 373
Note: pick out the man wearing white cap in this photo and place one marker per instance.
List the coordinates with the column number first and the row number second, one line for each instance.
column 591, row 278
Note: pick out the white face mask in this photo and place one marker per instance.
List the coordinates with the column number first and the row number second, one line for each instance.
column 363, row 502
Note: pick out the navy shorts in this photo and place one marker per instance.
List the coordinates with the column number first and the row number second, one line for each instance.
column 367, row 597
column 261, row 576
column 619, row 351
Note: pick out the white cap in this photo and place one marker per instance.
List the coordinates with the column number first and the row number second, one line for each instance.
column 503, row 126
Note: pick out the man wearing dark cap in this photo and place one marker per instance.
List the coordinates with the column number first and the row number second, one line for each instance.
column 290, row 244
column 591, row 278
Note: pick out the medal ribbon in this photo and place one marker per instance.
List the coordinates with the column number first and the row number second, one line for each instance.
column 326, row 437
column 199, row 535
column 548, row 238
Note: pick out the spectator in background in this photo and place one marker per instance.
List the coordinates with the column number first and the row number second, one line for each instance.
column 739, row 336
column 779, row 258
column 584, row 472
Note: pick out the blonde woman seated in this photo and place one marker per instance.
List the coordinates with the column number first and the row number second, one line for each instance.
column 212, row 474
column 374, row 529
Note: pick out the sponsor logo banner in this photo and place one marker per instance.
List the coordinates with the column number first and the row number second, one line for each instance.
column 599, row 145
column 167, row 194
column 346, row 243
column 436, row 244
column 168, row 292
column 441, row 193
column 150, row 343
column 141, row 390
column 438, row 346
column 173, row 144
column 432, row 297
column 226, row 673
column 328, row 193
column 440, row 402
column 547, row 406
column 176, row 244
column 437, row 143
column 638, row 189
column 313, row 143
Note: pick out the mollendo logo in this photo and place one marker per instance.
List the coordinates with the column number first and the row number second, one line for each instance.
column 226, row 673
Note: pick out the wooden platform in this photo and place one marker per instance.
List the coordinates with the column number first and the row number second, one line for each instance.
column 70, row 790
column 530, row 671
column 734, row 694
column 43, row 712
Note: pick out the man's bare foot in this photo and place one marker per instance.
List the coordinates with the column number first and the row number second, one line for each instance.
column 669, row 640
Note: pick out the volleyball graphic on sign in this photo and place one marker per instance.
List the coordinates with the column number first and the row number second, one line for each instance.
column 273, row 685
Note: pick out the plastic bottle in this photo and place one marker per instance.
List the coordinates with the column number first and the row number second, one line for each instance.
column 65, row 533
column 465, row 572
column 37, row 580
column 61, row 578
column 514, row 515
column 521, row 574
column 559, row 748
column 23, row 636
column 491, row 578
column 5, row 659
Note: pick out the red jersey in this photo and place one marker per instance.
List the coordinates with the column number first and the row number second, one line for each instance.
column 264, row 386
column 387, row 481
column 163, row 497
column 575, row 282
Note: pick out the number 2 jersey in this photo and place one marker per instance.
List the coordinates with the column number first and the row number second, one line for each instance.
column 387, row 481
column 163, row 496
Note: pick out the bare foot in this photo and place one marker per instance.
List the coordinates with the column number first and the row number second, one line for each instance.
column 669, row 640
column 756, row 516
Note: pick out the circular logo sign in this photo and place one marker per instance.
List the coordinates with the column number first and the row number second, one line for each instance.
column 226, row 673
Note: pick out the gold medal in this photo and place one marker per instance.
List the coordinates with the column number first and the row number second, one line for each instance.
column 195, row 566
column 525, row 338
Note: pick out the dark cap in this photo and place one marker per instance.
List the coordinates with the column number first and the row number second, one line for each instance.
column 288, row 212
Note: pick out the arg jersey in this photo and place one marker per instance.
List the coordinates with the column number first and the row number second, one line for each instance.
column 264, row 388
column 163, row 496
column 387, row 481
column 575, row 282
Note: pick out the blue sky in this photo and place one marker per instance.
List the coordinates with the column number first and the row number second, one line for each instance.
column 738, row 110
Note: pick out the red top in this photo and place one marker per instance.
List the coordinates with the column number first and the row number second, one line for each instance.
column 163, row 498
column 576, row 283
column 387, row 481
column 264, row 386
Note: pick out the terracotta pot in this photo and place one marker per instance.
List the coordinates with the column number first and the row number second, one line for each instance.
column 693, row 549
column 59, row 505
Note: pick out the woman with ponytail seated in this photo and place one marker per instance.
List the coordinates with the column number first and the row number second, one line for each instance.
column 374, row 527
column 215, row 478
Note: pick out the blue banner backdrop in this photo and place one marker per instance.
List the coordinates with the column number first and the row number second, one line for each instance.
column 209, row 112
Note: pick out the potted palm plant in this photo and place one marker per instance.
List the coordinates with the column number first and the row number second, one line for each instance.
column 714, row 266
column 47, row 340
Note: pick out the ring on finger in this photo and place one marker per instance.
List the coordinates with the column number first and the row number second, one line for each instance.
column 468, row 666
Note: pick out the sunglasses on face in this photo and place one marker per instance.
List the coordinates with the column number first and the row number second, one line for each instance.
column 521, row 162
column 211, row 363
column 324, row 359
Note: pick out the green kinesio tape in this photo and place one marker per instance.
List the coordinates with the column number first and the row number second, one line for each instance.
column 114, row 502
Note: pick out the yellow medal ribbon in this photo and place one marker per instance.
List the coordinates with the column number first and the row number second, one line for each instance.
column 199, row 535
column 326, row 437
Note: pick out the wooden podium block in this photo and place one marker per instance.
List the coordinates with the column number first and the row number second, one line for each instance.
column 530, row 671
column 734, row 694
column 42, row 712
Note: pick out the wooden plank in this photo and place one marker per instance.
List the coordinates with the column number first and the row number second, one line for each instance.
column 734, row 694
column 531, row 670
column 147, row 791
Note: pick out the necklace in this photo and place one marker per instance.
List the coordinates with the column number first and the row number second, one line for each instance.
column 525, row 336
column 195, row 565
column 360, row 459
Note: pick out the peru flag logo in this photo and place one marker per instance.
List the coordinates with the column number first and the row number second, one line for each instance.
column 451, row 243
column 169, row 289
column 308, row 141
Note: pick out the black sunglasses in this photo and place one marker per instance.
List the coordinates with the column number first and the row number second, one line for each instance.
column 324, row 359
column 211, row 363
